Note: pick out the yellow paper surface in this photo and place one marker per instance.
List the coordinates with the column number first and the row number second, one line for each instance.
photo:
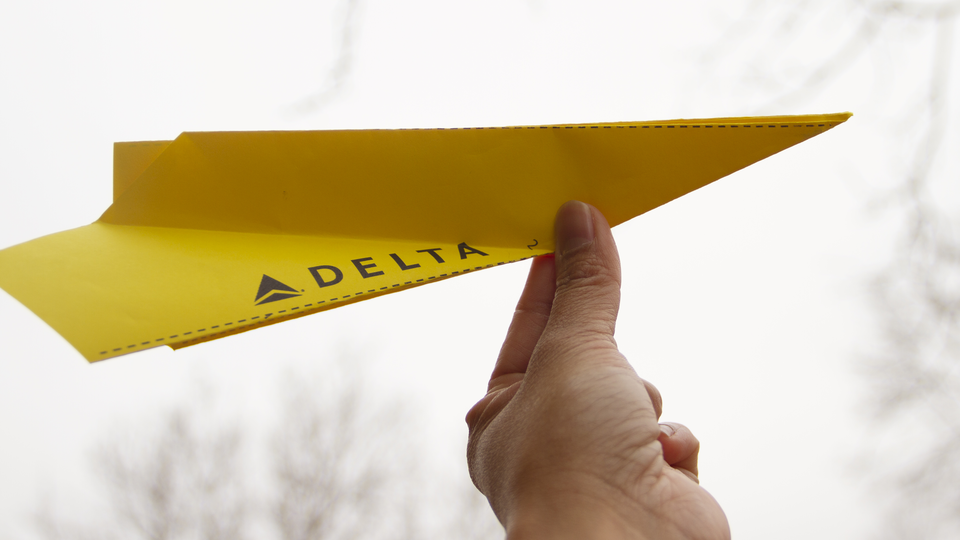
column 216, row 233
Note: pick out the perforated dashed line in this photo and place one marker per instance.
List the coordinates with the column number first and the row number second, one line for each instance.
column 267, row 315
column 828, row 124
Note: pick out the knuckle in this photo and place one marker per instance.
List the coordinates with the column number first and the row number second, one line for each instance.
column 656, row 398
column 473, row 416
column 586, row 339
column 587, row 270
column 594, row 325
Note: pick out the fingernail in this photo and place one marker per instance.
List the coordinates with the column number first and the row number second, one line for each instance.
column 667, row 430
column 574, row 226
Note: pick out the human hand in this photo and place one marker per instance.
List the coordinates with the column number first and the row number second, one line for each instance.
column 566, row 442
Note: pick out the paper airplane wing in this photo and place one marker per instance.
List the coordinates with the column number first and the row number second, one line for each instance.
column 217, row 233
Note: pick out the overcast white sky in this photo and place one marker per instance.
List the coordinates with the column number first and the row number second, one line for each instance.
column 745, row 302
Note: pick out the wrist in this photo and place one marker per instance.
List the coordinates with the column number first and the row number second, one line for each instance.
column 572, row 516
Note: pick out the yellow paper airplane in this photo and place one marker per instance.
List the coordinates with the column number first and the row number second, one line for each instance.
column 218, row 233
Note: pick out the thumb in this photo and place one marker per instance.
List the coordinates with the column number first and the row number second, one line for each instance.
column 588, row 276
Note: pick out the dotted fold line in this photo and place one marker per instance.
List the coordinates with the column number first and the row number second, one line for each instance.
column 645, row 126
column 268, row 315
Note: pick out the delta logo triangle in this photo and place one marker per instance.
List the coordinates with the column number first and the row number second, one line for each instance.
column 270, row 285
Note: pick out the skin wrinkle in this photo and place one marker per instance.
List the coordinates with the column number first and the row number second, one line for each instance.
column 578, row 323
column 650, row 474
column 602, row 402
column 478, row 417
column 589, row 274
column 505, row 381
column 550, row 348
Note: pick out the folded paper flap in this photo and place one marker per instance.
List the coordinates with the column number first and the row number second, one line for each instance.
column 133, row 288
column 498, row 186
column 131, row 159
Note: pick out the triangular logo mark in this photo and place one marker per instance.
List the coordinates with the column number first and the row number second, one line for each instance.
column 269, row 285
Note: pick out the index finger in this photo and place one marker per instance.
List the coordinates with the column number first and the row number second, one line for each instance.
column 529, row 319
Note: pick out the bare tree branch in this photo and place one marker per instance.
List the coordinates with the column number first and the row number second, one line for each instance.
column 337, row 76
column 177, row 483
column 918, row 10
column 828, row 71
